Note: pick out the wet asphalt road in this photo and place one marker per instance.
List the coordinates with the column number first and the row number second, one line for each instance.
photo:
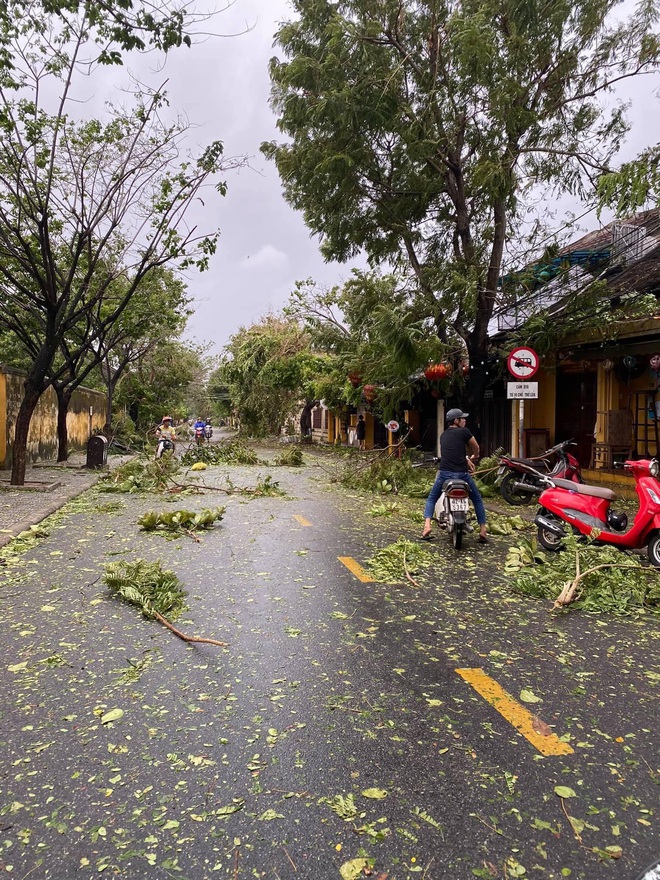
column 254, row 760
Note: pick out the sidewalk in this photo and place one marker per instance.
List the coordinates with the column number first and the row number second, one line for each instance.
column 48, row 486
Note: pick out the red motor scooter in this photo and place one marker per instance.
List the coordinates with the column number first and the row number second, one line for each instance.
column 588, row 508
column 520, row 479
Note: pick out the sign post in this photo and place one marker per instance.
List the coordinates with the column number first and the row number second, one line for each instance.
column 522, row 363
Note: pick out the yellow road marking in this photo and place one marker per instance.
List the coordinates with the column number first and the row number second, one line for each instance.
column 302, row 520
column 515, row 714
column 356, row 569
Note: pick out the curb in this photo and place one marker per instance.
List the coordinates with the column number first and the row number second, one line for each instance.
column 44, row 513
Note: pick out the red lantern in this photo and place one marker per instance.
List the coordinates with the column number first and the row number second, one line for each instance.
column 435, row 372
column 354, row 379
column 369, row 392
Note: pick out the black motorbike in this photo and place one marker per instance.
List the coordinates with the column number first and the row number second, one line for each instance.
column 521, row 479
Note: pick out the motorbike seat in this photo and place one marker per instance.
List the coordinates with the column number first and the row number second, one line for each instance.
column 453, row 483
column 539, row 464
column 583, row 489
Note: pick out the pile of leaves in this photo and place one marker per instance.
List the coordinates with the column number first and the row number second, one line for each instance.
column 234, row 451
column 388, row 475
column 180, row 520
column 393, row 564
column 148, row 586
column 141, row 475
column 606, row 580
column 290, row 457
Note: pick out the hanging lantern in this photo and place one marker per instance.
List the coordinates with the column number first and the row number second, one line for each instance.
column 435, row 372
column 654, row 363
column 630, row 361
column 369, row 392
column 354, row 379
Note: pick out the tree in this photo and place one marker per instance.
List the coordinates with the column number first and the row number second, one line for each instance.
column 160, row 382
column 419, row 132
column 376, row 330
column 157, row 311
column 270, row 373
column 84, row 203
column 119, row 25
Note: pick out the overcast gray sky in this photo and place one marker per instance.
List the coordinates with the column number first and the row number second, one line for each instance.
column 222, row 85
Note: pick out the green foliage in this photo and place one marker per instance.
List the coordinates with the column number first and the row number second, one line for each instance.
column 291, row 456
column 141, row 475
column 147, row 586
column 386, row 475
column 160, row 381
column 180, row 520
column 422, row 135
column 624, row 587
column 234, row 451
column 389, row 565
column 269, row 369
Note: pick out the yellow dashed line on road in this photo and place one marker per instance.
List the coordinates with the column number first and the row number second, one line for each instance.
column 302, row 520
column 356, row 569
column 513, row 712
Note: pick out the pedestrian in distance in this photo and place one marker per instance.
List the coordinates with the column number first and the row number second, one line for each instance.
column 361, row 432
column 458, row 451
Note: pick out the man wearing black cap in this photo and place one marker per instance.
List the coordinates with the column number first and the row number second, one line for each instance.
column 458, row 448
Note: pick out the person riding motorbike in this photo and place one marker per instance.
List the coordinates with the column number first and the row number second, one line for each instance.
column 458, row 449
column 165, row 431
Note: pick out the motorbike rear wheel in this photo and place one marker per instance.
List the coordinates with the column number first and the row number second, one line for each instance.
column 513, row 495
column 457, row 536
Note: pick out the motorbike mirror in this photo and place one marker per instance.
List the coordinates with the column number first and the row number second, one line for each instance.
column 654, row 467
column 650, row 873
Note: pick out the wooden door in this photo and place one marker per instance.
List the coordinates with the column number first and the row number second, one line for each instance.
column 575, row 415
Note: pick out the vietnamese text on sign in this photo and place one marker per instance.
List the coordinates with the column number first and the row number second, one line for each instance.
column 522, row 390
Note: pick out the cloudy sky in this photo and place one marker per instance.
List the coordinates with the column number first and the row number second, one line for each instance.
column 222, row 85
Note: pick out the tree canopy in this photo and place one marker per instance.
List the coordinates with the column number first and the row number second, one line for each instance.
column 270, row 372
column 420, row 133
column 88, row 207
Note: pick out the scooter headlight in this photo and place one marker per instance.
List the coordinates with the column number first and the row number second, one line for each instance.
column 654, row 467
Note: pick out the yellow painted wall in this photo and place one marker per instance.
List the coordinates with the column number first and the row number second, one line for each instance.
column 42, row 439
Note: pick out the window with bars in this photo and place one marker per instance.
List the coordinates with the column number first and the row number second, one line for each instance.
column 317, row 418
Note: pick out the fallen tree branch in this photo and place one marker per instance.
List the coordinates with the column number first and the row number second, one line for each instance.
column 183, row 636
column 567, row 594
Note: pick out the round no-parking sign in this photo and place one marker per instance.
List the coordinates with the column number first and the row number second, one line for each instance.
column 523, row 362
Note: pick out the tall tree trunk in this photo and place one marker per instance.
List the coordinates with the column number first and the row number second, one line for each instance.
column 19, row 458
column 63, row 401
column 108, row 403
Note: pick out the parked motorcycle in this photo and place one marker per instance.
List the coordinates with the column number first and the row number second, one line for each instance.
column 200, row 437
column 521, row 479
column 164, row 445
column 586, row 508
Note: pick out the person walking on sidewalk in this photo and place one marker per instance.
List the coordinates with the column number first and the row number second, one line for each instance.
column 458, row 449
column 361, row 432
